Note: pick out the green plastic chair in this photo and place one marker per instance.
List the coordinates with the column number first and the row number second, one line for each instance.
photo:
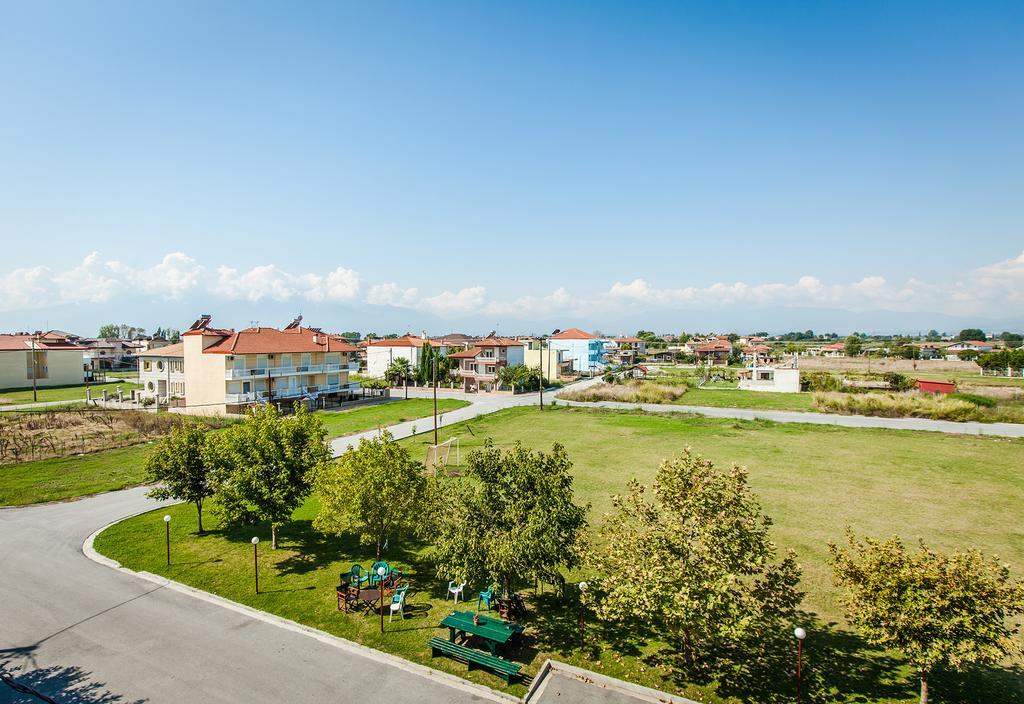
column 357, row 575
column 374, row 579
column 486, row 597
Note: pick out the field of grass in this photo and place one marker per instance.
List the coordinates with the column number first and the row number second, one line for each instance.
column 955, row 491
column 340, row 423
column 62, row 393
column 109, row 470
column 736, row 398
column 71, row 477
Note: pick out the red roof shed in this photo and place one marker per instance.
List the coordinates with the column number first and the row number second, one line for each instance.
column 935, row 387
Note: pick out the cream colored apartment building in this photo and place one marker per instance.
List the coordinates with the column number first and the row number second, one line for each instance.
column 57, row 362
column 227, row 371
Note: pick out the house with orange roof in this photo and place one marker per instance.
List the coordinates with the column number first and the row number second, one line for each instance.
column 381, row 353
column 227, row 371
column 52, row 361
column 714, row 352
column 586, row 351
column 480, row 365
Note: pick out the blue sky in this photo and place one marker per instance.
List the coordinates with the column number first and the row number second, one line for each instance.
column 471, row 165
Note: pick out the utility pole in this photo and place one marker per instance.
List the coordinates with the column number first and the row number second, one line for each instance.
column 35, row 370
column 542, row 373
column 433, row 379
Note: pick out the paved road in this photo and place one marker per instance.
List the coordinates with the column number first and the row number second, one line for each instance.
column 80, row 631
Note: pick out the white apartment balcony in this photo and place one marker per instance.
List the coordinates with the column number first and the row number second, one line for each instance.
column 329, row 368
column 296, row 392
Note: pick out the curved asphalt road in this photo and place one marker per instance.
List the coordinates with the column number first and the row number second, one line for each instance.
column 80, row 631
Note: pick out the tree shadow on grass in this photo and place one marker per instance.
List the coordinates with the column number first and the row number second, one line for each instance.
column 23, row 685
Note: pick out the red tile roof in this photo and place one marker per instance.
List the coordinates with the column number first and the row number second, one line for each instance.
column 835, row 346
column 175, row 350
column 499, row 342
column 714, row 347
column 466, row 354
column 24, row 342
column 628, row 339
column 407, row 341
column 574, row 334
column 271, row 340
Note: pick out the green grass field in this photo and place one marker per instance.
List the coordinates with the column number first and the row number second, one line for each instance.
column 956, row 491
column 340, row 423
column 736, row 398
column 109, row 470
column 63, row 393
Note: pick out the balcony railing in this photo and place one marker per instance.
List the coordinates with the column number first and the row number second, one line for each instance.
column 328, row 368
column 296, row 392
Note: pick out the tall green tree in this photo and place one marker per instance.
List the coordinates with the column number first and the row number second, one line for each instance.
column 178, row 465
column 515, row 520
column 852, row 346
column 940, row 611
column 109, row 330
column 376, row 491
column 424, row 370
column 971, row 334
column 695, row 563
column 262, row 466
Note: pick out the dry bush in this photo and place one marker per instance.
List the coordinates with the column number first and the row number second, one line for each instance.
column 629, row 392
column 906, row 405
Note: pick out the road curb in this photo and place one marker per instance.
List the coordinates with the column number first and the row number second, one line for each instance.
column 89, row 550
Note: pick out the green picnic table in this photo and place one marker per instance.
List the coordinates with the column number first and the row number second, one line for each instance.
column 494, row 632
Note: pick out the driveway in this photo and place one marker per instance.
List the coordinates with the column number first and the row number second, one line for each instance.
column 79, row 631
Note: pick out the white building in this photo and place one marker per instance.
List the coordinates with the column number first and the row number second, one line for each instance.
column 479, row 365
column 162, row 372
column 776, row 379
column 381, row 353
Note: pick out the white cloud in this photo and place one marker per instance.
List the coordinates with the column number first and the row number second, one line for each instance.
column 391, row 294
column 990, row 291
column 463, row 301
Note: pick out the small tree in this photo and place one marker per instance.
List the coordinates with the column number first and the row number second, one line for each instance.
column 375, row 490
column 516, row 520
column 941, row 611
column 852, row 346
column 397, row 371
column 696, row 563
column 971, row 334
column 262, row 465
column 109, row 330
column 179, row 464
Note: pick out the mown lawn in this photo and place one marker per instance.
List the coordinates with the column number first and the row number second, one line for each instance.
column 109, row 470
column 956, row 491
column 340, row 423
column 63, row 393
column 736, row 398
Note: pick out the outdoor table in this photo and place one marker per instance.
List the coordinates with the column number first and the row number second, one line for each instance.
column 494, row 632
column 370, row 597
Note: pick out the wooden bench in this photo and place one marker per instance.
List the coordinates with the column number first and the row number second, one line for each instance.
column 502, row 668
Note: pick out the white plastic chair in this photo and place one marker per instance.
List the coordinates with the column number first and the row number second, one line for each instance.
column 455, row 590
column 397, row 604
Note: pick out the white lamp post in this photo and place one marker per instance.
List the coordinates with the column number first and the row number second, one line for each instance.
column 380, row 585
column 799, row 634
column 255, row 563
column 167, row 524
column 583, row 589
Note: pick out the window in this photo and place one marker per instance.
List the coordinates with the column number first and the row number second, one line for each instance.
column 160, row 366
column 146, row 366
column 40, row 370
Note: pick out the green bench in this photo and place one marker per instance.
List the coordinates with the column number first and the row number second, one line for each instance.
column 502, row 668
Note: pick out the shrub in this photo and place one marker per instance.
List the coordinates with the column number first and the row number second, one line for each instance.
column 976, row 399
column 899, row 406
column 819, row 381
column 630, row 392
column 899, row 382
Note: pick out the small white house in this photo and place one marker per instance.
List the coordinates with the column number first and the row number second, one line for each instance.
column 775, row 379
column 162, row 372
column 381, row 353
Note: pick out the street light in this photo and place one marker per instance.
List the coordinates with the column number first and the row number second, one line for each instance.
column 583, row 589
column 256, row 563
column 800, row 634
column 167, row 524
column 380, row 585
